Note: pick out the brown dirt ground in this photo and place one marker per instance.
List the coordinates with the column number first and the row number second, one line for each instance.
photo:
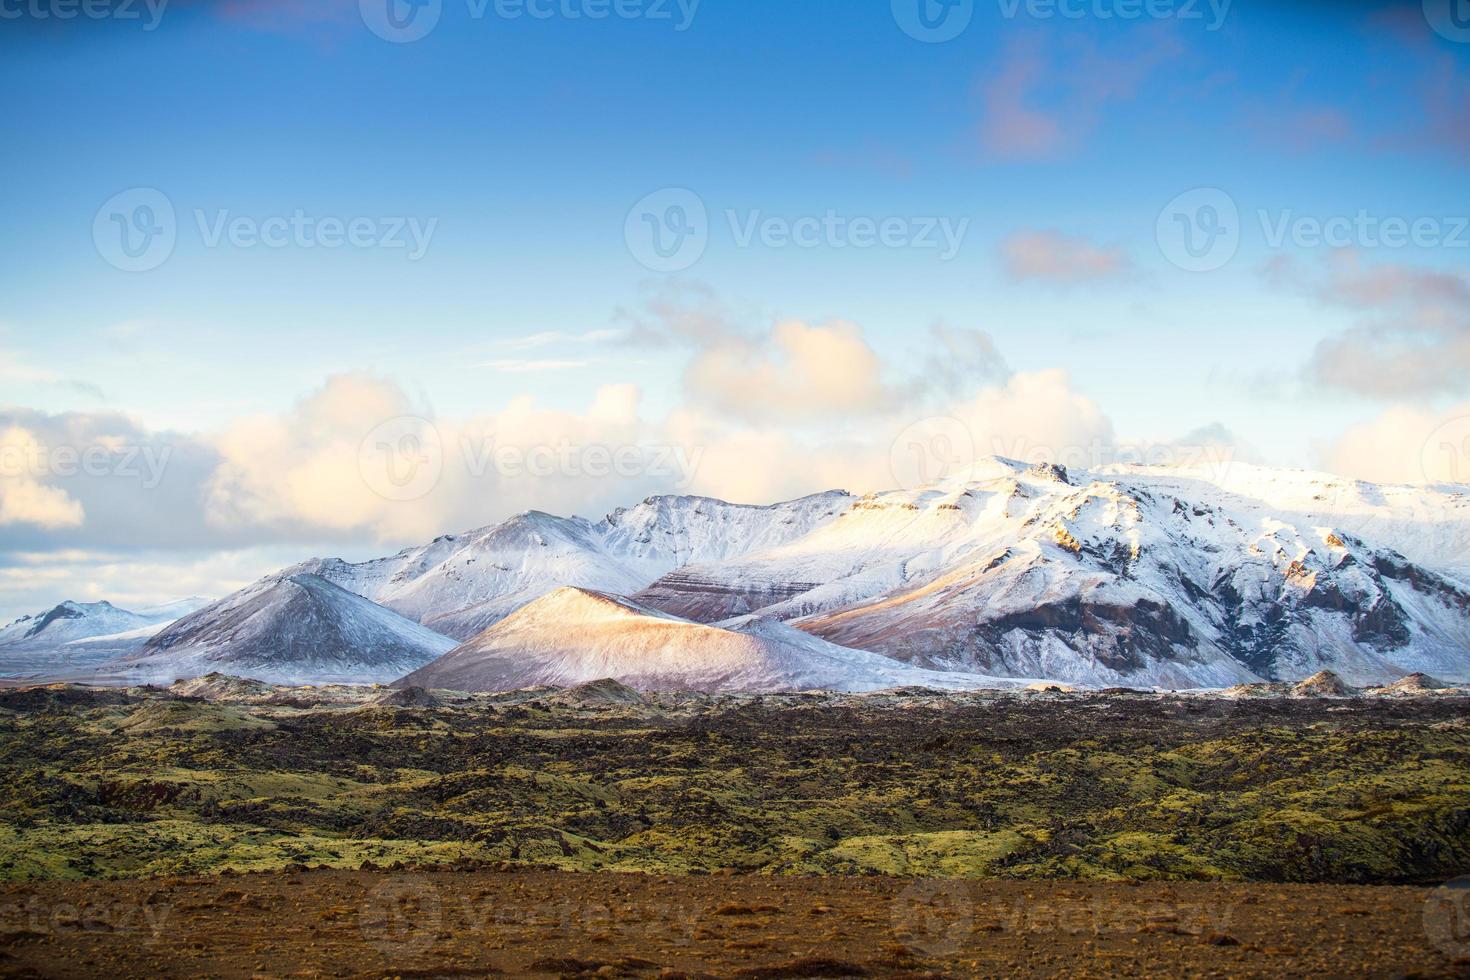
column 539, row 923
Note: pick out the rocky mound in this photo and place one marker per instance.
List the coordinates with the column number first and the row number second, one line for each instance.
column 604, row 691
column 1416, row 684
column 1323, row 684
column 215, row 686
column 407, row 697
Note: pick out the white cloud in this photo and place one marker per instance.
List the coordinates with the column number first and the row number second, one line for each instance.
column 24, row 498
column 1412, row 338
column 793, row 373
column 1406, row 444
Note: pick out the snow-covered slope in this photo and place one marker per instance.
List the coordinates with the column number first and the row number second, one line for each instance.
column 573, row 636
column 1132, row 576
column 460, row 584
column 287, row 629
column 77, row 634
column 1168, row 576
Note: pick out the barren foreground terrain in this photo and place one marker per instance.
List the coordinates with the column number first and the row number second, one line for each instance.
column 533, row 922
column 227, row 828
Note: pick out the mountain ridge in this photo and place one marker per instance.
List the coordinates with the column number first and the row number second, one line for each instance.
column 1177, row 577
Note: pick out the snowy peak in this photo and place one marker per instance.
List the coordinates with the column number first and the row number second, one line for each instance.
column 71, row 621
column 667, row 532
column 575, row 607
column 460, row 584
column 576, row 636
column 75, row 635
column 1120, row 576
column 290, row 628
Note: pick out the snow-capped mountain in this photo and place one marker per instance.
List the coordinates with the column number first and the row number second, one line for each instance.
column 77, row 634
column 1172, row 577
column 285, row 629
column 1175, row 577
column 574, row 636
column 460, row 584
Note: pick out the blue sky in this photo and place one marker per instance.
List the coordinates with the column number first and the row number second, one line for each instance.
column 520, row 145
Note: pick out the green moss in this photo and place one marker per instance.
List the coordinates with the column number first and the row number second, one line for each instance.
column 147, row 785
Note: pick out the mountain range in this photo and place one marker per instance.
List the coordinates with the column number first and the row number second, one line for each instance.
column 1179, row 577
column 76, row 635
